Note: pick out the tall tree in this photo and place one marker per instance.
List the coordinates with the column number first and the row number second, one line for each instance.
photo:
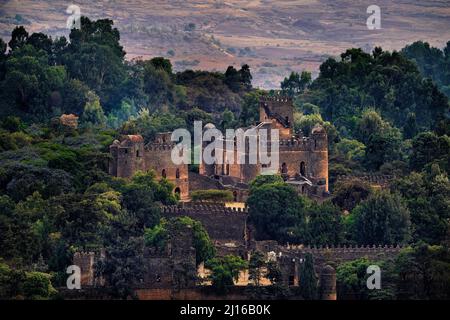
column 308, row 279
column 382, row 219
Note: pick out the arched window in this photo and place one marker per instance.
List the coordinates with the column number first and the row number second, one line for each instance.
column 163, row 173
column 137, row 153
column 227, row 169
column 177, row 191
column 284, row 169
column 303, row 168
column 235, row 195
column 177, row 174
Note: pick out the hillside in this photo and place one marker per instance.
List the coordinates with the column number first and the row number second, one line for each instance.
column 273, row 37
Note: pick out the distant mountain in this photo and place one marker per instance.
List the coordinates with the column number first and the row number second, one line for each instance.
column 273, row 36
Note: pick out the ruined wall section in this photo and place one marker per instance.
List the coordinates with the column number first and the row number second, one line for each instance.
column 158, row 157
column 227, row 226
column 278, row 110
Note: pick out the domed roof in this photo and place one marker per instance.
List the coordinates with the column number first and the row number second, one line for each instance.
column 318, row 129
column 209, row 126
column 134, row 138
column 328, row 269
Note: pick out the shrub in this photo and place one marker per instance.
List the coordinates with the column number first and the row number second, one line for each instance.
column 212, row 195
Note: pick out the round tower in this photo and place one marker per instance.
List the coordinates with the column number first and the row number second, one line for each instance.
column 127, row 156
column 319, row 157
column 206, row 169
column 328, row 283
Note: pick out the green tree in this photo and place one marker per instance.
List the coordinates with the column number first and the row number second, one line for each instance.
column 93, row 112
column 250, row 109
column 423, row 272
column 19, row 38
column 224, row 271
column 308, row 279
column 273, row 272
column 37, row 285
column 255, row 267
column 165, row 231
column 325, row 225
column 425, row 196
column 246, row 76
column 427, row 147
column 381, row 219
column 351, row 279
column 123, row 265
column 277, row 212
column 296, row 83
column 348, row 194
column 228, row 121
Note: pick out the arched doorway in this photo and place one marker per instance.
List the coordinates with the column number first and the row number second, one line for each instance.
column 303, row 168
column 177, row 191
column 284, row 169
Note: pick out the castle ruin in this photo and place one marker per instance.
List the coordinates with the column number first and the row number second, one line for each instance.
column 303, row 160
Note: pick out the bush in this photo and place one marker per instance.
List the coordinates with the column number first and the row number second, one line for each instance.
column 37, row 285
column 212, row 195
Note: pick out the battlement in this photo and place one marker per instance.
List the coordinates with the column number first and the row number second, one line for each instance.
column 298, row 144
column 203, row 209
column 155, row 146
column 221, row 223
column 276, row 98
column 345, row 248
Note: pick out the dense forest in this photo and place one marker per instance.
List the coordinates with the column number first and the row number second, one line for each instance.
column 384, row 112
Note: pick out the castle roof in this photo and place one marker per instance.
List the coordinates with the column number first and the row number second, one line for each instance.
column 318, row 129
column 134, row 138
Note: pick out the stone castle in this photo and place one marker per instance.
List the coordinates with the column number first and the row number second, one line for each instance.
column 303, row 160
column 303, row 164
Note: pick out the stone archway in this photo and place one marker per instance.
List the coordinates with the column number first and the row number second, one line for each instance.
column 303, row 168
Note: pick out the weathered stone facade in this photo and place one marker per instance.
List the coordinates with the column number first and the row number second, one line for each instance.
column 303, row 161
column 132, row 154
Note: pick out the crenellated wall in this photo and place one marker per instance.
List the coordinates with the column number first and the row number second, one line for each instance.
column 226, row 225
column 131, row 155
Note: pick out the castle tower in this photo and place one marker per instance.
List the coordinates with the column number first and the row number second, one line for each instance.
column 279, row 111
column 130, row 155
column 127, row 156
column 319, row 157
column 328, row 283
column 158, row 157
column 206, row 169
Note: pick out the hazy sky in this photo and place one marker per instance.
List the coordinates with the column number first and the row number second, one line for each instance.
column 273, row 37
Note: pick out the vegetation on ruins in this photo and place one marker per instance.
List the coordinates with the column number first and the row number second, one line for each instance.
column 161, row 233
column 212, row 195
column 419, row 272
column 385, row 113
column 224, row 271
